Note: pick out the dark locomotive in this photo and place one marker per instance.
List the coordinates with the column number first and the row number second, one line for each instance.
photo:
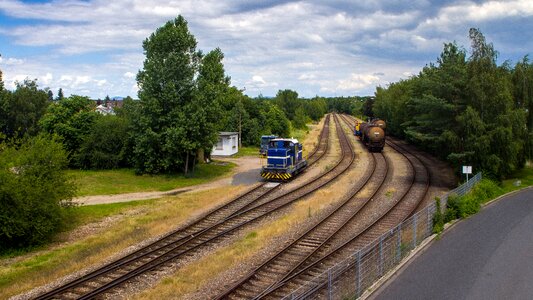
column 372, row 134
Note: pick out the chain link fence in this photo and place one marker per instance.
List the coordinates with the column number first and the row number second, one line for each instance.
column 351, row 277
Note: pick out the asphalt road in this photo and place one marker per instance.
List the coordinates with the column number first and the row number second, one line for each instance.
column 488, row 256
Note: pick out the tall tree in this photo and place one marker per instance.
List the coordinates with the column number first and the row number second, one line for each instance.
column 287, row 100
column 1, row 79
column 522, row 78
column 166, row 131
column 60, row 95
column 50, row 95
column 212, row 86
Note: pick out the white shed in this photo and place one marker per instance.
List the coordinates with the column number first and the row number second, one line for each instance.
column 228, row 144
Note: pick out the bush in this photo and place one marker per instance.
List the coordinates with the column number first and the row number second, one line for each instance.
column 438, row 217
column 469, row 204
column 33, row 191
column 104, row 146
column 452, row 208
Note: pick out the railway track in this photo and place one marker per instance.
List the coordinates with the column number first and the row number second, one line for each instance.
column 184, row 242
column 295, row 254
column 337, row 251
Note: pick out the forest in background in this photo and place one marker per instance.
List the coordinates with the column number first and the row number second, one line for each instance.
column 465, row 109
column 185, row 100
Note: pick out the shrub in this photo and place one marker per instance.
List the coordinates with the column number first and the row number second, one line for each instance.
column 452, row 208
column 438, row 217
column 104, row 146
column 33, row 191
column 469, row 204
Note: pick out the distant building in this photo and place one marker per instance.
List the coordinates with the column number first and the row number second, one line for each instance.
column 228, row 144
column 105, row 110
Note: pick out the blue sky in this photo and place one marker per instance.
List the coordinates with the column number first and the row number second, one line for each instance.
column 325, row 48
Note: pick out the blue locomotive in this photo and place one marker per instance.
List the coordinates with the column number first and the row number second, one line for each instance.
column 284, row 160
column 265, row 139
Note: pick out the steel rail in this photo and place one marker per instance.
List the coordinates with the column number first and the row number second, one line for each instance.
column 320, row 262
column 173, row 248
column 207, row 218
column 246, row 219
column 307, row 239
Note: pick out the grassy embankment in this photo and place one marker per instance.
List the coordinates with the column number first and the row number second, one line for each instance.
column 108, row 182
column 483, row 192
column 108, row 230
column 113, row 227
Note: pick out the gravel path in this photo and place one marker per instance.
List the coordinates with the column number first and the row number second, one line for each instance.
column 247, row 172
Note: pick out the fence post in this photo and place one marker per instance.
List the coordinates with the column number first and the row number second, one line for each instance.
column 430, row 220
column 358, row 292
column 399, row 243
column 414, row 230
column 381, row 256
column 329, row 285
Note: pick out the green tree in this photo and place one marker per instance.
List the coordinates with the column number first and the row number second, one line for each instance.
column 107, row 100
column 1, row 79
column 287, row 100
column 104, row 147
column 213, row 85
column 22, row 109
column 167, row 132
column 276, row 122
column 522, row 78
column 300, row 118
column 33, row 192
column 50, row 95
column 71, row 119
column 60, row 95
column 368, row 108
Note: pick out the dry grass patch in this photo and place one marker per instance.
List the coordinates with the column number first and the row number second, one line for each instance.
column 155, row 218
column 193, row 277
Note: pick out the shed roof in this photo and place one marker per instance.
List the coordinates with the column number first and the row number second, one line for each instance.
column 224, row 133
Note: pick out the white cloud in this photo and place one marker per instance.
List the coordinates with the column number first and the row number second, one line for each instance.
column 327, row 46
column 357, row 82
column 306, row 76
column 46, row 79
column 258, row 79
column 129, row 75
column 101, row 82
column 465, row 12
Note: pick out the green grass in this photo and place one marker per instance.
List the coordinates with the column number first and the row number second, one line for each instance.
column 247, row 151
column 299, row 134
column 107, row 182
column 525, row 176
column 81, row 215
column 484, row 191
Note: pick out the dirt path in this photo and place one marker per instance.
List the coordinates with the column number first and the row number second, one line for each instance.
column 246, row 173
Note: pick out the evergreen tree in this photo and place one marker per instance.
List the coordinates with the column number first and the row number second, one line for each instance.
column 50, row 95
column 60, row 95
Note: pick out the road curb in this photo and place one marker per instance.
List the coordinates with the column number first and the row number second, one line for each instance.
column 384, row 281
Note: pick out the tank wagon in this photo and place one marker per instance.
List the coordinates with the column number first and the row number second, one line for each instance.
column 372, row 136
column 284, row 160
column 380, row 123
column 265, row 139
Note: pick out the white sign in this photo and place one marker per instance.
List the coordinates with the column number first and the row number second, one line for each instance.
column 467, row 169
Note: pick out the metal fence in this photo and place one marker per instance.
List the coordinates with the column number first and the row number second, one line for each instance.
column 351, row 277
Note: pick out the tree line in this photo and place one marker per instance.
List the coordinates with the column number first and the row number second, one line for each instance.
column 185, row 99
column 466, row 109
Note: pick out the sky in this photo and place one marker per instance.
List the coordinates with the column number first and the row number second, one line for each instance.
column 326, row 48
